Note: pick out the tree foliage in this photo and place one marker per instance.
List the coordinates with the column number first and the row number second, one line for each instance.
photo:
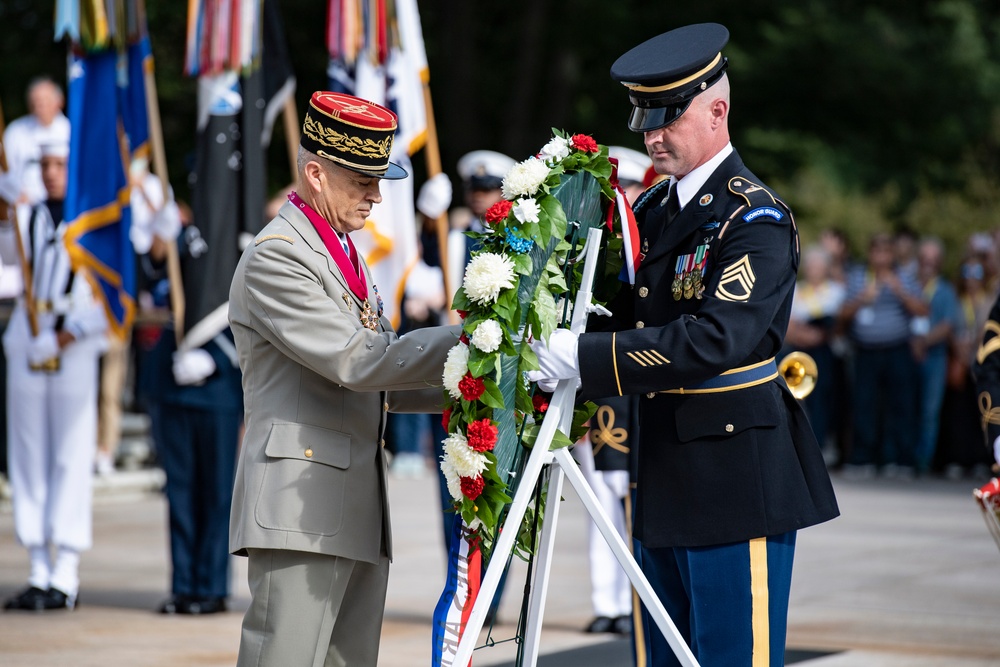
column 866, row 114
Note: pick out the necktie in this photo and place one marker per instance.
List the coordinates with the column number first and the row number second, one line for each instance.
column 673, row 203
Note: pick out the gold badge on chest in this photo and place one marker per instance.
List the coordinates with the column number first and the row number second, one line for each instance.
column 689, row 274
column 369, row 318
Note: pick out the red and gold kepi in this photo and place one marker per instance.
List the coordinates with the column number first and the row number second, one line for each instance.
column 351, row 132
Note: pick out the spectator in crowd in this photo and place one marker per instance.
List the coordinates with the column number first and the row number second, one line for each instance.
column 54, row 345
column 23, row 138
column 811, row 327
column 958, row 446
column 880, row 303
column 904, row 243
column 834, row 241
column 932, row 338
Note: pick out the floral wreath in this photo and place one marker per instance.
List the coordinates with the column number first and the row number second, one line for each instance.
column 528, row 215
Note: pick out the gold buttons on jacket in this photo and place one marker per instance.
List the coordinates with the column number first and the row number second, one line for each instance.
column 729, row 428
column 643, row 292
column 640, row 324
column 651, row 394
column 308, row 453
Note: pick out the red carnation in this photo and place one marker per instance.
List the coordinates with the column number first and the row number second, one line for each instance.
column 471, row 388
column 462, row 313
column 472, row 487
column 482, row 435
column 464, row 338
column 585, row 143
column 541, row 402
column 445, row 419
column 499, row 211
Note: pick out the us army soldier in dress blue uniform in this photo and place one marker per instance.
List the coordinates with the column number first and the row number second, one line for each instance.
column 729, row 468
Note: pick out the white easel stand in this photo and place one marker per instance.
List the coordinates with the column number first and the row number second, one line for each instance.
column 559, row 416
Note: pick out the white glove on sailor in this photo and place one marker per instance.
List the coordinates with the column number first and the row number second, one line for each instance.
column 192, row 366
column 43, row 347
column 167, row 221
column 435, row 196
column 557, row 360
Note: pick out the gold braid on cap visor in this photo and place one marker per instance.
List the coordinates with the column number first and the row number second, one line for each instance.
column 366, row 148
column 639, row 88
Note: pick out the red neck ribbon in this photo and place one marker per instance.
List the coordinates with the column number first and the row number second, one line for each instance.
column 355, row 276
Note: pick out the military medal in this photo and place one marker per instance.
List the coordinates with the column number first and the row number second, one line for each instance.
column 688, row 282
column 676, row 287
column 700, row 257
column 369, row 319
column 347, row 299
column 378, row 298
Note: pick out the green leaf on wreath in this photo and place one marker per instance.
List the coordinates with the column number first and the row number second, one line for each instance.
column 560, row 440
column 492, row 396
column 523, row 264
column 460, row 301
column 545, row 308
column 481, row 363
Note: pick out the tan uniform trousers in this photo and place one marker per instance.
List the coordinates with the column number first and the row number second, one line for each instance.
column 313, row 610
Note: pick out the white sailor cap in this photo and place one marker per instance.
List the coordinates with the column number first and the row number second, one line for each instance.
column 484, row 170
column 54, row 149
column 632, row 165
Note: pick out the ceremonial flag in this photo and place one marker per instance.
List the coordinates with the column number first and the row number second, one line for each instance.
column 378, row 55
column 461, row 589
column 97, row 196
column 235, row 116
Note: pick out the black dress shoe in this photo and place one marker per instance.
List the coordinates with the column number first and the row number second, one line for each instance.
column 601, row 624
column 623, row 625
column 199, row 606
column 30, row 599
column 174, row 604
column 56, row 599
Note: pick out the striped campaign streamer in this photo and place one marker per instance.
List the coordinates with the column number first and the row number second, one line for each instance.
column 451, row 615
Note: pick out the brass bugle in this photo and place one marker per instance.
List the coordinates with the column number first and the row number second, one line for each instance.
column 800, row 373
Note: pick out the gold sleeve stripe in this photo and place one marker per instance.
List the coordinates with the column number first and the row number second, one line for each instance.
column 614, row 360
column 759, row 603
column 656, row 354
column 274, row 236
column 989, row 346
column 637, row 359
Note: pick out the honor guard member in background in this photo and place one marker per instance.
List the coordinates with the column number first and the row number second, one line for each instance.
column 482, row 175
column 321, row 366
column 729, row 468
column 605, row 458
column 52, row 402
column 987, row 374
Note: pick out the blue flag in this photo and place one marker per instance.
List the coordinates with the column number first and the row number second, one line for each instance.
column 132, row 96
column 97, row 196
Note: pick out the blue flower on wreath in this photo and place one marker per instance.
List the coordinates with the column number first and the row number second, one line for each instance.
column 517, row 243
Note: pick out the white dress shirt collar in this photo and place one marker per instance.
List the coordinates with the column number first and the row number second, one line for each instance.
column 689, row 186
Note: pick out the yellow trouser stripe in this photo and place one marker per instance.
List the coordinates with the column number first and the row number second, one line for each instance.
column 758, row 593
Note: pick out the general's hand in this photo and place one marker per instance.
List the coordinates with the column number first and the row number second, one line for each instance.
column 557, row 360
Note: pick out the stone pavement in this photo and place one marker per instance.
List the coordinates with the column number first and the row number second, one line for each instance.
column 908, row 576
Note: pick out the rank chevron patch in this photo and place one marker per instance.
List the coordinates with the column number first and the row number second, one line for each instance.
column 737, row 281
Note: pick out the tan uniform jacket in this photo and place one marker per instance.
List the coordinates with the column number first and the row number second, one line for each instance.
column 311, row 472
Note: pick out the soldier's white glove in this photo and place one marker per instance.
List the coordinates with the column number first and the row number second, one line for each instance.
column 43, row 347
column 557, row 360
column 435, row 196
column 192, row 366
column 167, row 221
column 996, row 449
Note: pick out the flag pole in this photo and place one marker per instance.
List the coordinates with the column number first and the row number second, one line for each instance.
column 29, row 297
column 432, row 155
column 160, row 169
column 291, row 116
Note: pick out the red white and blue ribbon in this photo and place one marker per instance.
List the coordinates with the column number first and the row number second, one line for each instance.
column 454, row 607
column 630, row 230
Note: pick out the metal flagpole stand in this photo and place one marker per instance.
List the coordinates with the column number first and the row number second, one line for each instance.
column 558, row 416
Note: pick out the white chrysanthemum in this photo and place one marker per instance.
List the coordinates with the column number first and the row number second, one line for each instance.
column 466, row 461
column 487, row 336
column 452, row 478
column 486, row 275
column 524, row 178
column 456, row 365
column 555, row 150
column 526, row 210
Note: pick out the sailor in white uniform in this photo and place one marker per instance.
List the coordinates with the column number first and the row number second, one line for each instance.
column 52, row 382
